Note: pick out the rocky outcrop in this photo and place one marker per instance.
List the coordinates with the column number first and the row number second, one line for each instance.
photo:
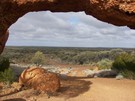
column 105, row 73
column 3, row 39
column 39, row 79
column 117, row 12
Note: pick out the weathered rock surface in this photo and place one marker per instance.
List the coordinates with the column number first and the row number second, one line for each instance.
column 3, row 40
column 89, row 73
column 106, row 73
column 39, row 79
column 117, row 12
column 119, row 77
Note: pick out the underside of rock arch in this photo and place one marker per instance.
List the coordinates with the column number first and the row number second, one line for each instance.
column 116, row 12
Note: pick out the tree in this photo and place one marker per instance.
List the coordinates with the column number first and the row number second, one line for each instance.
column 38, row 58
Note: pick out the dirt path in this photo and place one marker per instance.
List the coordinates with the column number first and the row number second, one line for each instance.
column 84, row 89
column 106, row 90
column 111, row 90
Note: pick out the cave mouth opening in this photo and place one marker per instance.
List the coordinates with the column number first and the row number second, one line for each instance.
column 70, row 29
column 114, row 12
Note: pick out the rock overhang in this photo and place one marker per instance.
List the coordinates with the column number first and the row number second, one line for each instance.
column 116, row 12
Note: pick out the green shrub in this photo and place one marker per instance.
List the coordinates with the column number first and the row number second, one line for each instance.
column 7, row 76
column 125, row 64
column 128, row 74
column 38, row 58
column 4, row 63
column 124, row 61
column 104, row 64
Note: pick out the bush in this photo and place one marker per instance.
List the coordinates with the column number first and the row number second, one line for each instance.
column 128, row 74
column 124, row 61
column 125, row 64
column 4, row 63
column 7, row 76
column 38, row 58
column 104, row 64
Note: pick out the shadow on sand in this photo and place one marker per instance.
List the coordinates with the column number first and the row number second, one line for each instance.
column 8, row 94
column 15, row 99
column 73, row 87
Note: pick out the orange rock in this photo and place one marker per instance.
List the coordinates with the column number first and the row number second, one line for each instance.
column 39, row 79
column 3, row 39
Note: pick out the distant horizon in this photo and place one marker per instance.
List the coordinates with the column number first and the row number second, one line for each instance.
column 66, row 46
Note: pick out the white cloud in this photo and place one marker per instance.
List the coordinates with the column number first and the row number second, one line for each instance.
column 68, row 29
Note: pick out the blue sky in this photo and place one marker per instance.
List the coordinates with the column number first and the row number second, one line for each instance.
column 68, row 30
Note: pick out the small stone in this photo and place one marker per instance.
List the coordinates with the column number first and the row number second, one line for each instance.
column 119, row 77
column 95, row 76
column 63, row 76
column 89, row 73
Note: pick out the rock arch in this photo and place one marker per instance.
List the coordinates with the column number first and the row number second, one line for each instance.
column 117, row 12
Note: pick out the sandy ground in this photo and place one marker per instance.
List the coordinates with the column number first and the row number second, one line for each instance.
column 81, row 89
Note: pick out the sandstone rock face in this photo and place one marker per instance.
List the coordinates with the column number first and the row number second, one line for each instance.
column 117, row 12
column 3, row 40
column 39, row 79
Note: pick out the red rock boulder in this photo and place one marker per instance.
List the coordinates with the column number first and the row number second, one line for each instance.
column 39, row 79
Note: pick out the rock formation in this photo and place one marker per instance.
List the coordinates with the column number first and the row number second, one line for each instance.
column 117, row 12
column 3, row 40
column 39, row 79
